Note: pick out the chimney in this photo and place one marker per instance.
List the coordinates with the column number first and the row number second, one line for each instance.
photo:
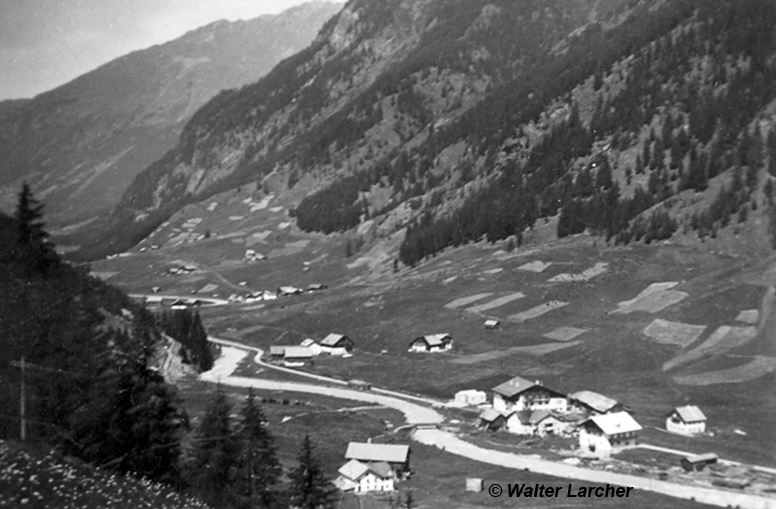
column 538, row 382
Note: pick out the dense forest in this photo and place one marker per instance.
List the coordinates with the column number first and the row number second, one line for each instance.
column 706, row 110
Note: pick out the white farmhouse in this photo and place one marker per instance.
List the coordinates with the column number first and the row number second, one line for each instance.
column 519, row 394
column 686, row 420
column 607, row 433
column 470, row 397
column 365, row 477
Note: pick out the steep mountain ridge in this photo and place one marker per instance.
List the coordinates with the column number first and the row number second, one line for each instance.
column 81, row 144
column 372, row 82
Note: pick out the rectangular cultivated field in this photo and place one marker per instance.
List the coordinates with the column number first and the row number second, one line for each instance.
column 585, row 275
column 463, row 301
column 535, row 266
column 757, row 367
column 496, row 302
column 103, row 275
column 750, row 316
column 537, row 311
column 516, row 350
column 673, row 333
column 723, row 339
column 652, row 299
column 565, row 333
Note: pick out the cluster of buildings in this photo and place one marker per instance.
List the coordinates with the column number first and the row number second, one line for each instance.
column 602, row 424
column 373, row 467
column 297, row 355
column 283, row 291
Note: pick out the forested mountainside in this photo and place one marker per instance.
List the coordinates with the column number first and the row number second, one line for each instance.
column 81, row 144
column 378, row 76
column 481, row 117
column 88, row 357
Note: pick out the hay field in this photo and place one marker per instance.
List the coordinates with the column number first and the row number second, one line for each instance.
column 536, row 266
column 585, row 275
column 750, row 316
column 537, row 311
column 463, row 301
column 515, row 350
column 652, row 299
column 564, row 333
column 723, row 339
column 757, row 367
column 673, row 333
column 496, row 303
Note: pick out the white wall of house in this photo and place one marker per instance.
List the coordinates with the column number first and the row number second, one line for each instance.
column 591, row 440
column 504, row 406
column 515, row 426
column 371, row 482
column 470, row 398
column 676, row 425
column 418, row 346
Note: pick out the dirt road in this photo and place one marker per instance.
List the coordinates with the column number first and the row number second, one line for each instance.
column 416, row 413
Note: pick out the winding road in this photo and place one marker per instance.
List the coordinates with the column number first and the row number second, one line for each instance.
column 417, row 411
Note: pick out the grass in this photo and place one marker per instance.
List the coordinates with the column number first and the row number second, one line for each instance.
column 37, row 478
column 614, row 358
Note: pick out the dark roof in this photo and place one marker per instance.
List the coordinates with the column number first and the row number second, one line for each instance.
column 490, row 415
column 434, row 339
column 333, row 339
column 513, row 387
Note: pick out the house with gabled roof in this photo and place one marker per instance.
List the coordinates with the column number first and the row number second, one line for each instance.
column 686, row 420
column 492, row 420
column 432, row 343
column 361, row 477
column 594, row 403
column 604, row 434
column 336, row 344
column 519, row 394
column 396, row 456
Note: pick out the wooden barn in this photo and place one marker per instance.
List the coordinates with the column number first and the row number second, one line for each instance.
column 432, row 343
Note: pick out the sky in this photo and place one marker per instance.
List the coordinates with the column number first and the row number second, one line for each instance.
column 46, row 43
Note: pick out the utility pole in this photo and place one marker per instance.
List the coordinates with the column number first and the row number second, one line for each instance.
column 22, row 365
column 23, row 406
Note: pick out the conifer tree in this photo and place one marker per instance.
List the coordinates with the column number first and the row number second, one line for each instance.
column 35, row 251
column 259, row 468
column 310, row 487
column 216, row 453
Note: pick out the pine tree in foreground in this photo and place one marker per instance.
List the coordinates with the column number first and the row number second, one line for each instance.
column 259, row 468
column 310, row 489
column 215, row 454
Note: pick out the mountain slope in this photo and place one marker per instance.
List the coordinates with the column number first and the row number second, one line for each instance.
column 81, row 144
column 373, row 81
column 485, row 116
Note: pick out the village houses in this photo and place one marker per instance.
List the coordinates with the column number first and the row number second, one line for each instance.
column 594, row 403
column 432, row 343
column 520, row 394
column 361, row 477
column 396, row 456
column 604, row 434
column 336, row 344
column 686, row 420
